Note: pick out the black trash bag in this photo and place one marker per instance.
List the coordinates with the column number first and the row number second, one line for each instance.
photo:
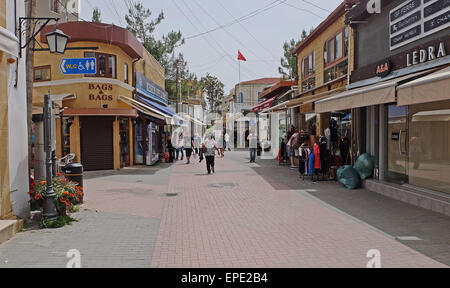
column 349, row 177
column 364, row 165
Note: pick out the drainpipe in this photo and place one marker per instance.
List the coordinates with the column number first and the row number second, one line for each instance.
column 133, row 72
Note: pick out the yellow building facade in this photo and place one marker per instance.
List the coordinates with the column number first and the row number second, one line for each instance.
column 324, row 63
column 94, row 123
column 5, row 203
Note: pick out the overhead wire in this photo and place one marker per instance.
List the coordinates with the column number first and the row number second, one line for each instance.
column 240, row 19
column 217, row 43
column 204, row 36
column 246, row 30
column 315, row 5
column 234, row 37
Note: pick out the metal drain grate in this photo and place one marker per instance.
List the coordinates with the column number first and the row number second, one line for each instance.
column 171, row 194
column 223, row 185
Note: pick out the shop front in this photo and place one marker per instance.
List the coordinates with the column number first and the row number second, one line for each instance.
column 399, row 93
column 324, row 61
column 91, row 120
column 274, row 118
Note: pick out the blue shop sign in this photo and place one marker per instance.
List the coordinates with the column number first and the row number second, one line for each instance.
column 150, row 89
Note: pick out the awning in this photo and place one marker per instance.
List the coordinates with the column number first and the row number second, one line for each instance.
column 278, row 89
column 166, row 111
column 9, row 43
column 282, row 106
column 380, row 93
column 263, row 105
column 144, row 108
column 306, row 103
column 100, row 112
column 430, row 88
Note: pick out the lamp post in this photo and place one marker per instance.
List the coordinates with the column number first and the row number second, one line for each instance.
column 57, row 42
column 49, row 207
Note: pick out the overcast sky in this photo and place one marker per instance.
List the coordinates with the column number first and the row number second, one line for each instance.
column 259, row 37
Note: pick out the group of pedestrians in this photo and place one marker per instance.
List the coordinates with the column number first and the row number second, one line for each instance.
column 204, row 148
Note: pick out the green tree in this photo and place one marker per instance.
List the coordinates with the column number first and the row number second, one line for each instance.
column 213, row 88
column 96, row 15
column 288, row 64
column 139, row 22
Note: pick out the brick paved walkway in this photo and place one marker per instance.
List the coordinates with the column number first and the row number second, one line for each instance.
column 253, row 225
column 231, row 219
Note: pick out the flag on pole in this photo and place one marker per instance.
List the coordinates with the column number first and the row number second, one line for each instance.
column 241, row 57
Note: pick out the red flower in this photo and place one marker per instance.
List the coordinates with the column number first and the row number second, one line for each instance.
column 38, row 196
column 31, row 192
column 58, row 174
column 72, row 195
column 43, row 182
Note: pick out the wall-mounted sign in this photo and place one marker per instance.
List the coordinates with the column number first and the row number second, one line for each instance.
column 431, row 53
column 75, row 66
column 100, row 92
column 383, row 68
column 415, row 19
column 150, row 89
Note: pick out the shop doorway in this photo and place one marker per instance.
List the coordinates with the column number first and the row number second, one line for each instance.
column 97, row 143
column 398, row 154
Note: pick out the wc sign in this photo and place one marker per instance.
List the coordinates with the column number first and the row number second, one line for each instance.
column 74, row 66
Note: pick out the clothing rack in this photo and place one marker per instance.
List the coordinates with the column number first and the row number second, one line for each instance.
column 306, row 164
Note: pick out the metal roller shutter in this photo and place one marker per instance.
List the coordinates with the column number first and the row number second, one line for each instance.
column 97, row 143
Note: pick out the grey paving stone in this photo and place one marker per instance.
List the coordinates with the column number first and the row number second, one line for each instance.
column 103, row 239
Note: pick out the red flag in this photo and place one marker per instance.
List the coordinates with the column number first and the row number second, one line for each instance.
column 241, row 57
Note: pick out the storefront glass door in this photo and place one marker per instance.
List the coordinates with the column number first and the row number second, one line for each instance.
column 398, row 144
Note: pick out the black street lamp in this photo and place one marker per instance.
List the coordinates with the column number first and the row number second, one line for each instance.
column 49, row 206
column 57, row 44
column 57, row 41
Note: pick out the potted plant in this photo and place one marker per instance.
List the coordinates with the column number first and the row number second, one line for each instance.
column 67, row 192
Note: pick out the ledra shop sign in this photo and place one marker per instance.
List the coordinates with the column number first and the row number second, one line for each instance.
column 416, row 19
column 429, row 53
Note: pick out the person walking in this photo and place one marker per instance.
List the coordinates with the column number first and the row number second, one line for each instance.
column 180, row 148
column 189, row 150
column 227, row 141
column 210, row 148
column 253, row 145
column 170, row 148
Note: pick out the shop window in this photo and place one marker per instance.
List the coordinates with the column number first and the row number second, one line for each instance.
column 337, row 71
column 308, row 72
column 428, row 145
column 309, row 84
column 125, row 68
column 124, row 131
column 66, row 123
column 308, row 65
column 335, row 56
column 106, row 64
column 111, row 65
column 43, row 73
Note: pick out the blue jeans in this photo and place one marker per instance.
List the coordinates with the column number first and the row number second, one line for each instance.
column 181, row 149
column 252, row 154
